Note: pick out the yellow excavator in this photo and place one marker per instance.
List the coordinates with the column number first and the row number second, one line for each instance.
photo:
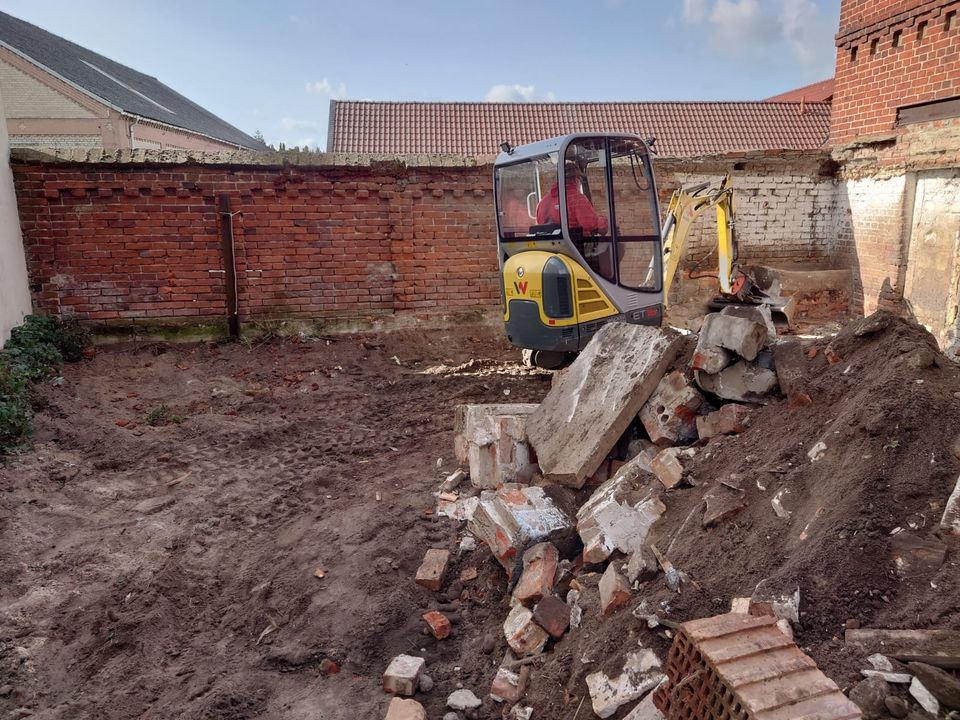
column 580, row 242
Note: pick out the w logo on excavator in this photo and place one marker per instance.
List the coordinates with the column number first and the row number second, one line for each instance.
column 520, row 287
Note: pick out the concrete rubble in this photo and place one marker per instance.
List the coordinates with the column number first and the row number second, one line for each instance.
column 618, row 516
column 670, row 415
column 463, row 699
column 402, row 675
column 641, row 673
column 492, row 441
column 743, row 382
column 586, row 412
column 723, row 337
column 513, row 517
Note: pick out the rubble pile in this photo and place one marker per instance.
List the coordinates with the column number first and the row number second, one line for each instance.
column 667, row 502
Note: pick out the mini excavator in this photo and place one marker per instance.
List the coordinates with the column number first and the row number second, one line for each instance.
column 580, row 242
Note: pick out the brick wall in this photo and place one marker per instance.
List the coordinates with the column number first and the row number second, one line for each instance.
column 131, row 242
column 891, row 54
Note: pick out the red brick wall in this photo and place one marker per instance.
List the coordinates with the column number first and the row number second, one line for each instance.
column 116, row 243
column 870, row 88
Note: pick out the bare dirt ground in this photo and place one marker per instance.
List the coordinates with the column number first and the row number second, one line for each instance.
column 168, row 570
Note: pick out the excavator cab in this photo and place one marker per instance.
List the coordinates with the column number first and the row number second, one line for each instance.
column 578, row 238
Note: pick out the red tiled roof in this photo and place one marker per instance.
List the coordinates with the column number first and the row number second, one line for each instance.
column 816, row 92
column 682, row 129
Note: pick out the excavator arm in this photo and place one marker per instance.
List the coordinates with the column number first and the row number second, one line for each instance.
column 686, row 206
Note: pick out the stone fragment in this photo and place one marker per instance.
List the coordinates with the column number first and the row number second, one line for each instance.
column 457, row 508
column 869, row 695
column 403, row 675
column 400, row 709
column 432, row 569
column 668, row 468
column 924, row 697
column 941, row 684
column 641, row 673
column 523, row 635
column 520, row 713
column 426, row 683
column 553, row 615
column 743, row 336
column 740, row 605
column 509, row 686
column 728, row 420
column 438, row 623
column 539, row 572
column 642, row 565
column 721, row 502
column 669, row 416
column 453, row 480
column 896, row 706
column 451, row 716
column 741, row 382
column 513, row 517
column 915, row 556
column 894, row 678
column 950, row 522
column 770, row 598
column 618, row 515
column 755, row 313
column 614, row 590
column 645, row 710
column 586, row 412
column 463, row 699
column 492, row 441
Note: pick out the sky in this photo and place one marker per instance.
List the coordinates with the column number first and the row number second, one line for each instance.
column 274, row 67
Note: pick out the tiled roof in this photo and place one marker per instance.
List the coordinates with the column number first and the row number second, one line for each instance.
column 682, row 129
column 114, row 84
column 816, row 92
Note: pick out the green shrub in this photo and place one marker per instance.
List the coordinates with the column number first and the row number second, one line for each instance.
column 33, row 353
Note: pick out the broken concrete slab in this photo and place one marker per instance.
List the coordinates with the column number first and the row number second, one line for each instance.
column 941, row 684
column 586, row 412
column 641, row 673
column 742, row 336
column 728, row 420
column 668, row 468
column 914, row 556
column 492, row 441
column 760, row 314
column 523, row 635
column 553, row 615
column 614, row 590
column 741, row 382
column 618, row 516
column 670, row 415
column 934, row 647
column 513, row 517
column 539, row 572
column 950, row 522
column 432, row 569
column 403, row 675
column 400, row 709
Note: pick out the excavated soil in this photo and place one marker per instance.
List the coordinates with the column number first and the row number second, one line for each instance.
column 169, row 571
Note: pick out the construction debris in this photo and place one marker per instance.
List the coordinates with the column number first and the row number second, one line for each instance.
column 939, row 683
column 742, row 382
column 586, row 412
column 670, row 415
column 492, row 441
column 916, row 557
column 933, row 647
column 743, row 667
column 553, row 615
column 403, row 675
column 463, row 699
column 618, row 516
column 641, row 673
column 950, row 522
column 771, row 599
column 509, row 686
column 513, row 517
column 523, row 635
column 400, row 709
column 539, row 571
column 668, row 468
column 614, row 590
column 438, row 623
column 924, row 697
column 728, row 420
column 432, row 569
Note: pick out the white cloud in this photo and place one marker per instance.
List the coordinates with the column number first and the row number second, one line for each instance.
column 751, row 29
column 517, row 93
column 325, row 87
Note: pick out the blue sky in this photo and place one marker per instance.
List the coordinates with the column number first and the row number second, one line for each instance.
column 274, row 66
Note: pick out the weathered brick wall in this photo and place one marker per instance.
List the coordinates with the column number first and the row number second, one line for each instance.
column 891, row 54
column 125, row 242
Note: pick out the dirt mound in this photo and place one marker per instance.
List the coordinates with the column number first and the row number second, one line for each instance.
column 885, row 405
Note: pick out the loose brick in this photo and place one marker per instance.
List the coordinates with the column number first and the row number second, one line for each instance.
column 403, row 675
column 614, row 590
column 539, row 572
column 523, row 635
column 438, row 623
column 553, row 615
column 432, row 569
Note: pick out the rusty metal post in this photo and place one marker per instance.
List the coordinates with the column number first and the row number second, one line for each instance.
column 229, row 266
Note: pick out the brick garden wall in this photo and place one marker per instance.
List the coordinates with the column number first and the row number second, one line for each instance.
column 121, row 242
